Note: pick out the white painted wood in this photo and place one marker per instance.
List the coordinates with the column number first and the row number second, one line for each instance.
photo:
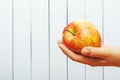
column 94, row 15
column 111, row 30
column 58, row 65
column 76, row 10
column 40, row 45
column 5, row 40
column 76, row 71
column 38, row 24
column 21, row 40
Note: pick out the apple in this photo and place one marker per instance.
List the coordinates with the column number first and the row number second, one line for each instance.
column 79, row 34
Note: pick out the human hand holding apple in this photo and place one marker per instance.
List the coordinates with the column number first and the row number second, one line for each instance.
column 81, row 42
column 80, row 34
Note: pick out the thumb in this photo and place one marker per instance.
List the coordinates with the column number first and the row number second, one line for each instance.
column 94, row 52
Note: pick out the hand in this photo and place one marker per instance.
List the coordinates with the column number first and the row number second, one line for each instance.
column 93, row 56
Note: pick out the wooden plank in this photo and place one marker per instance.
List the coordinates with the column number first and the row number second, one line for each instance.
column 5, row 40
column 94, row 15
column 58, row 69
column 76, row 71
column 21, row 40
column 111, row 30
column 40, row 41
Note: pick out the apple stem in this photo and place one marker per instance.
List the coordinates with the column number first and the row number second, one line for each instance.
column 71, row 32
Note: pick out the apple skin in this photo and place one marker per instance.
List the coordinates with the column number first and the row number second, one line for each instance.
column 80, row 34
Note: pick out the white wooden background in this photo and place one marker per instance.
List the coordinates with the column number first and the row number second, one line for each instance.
column 29, row 30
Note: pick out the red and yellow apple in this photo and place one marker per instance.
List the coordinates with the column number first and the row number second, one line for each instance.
column 80, row 34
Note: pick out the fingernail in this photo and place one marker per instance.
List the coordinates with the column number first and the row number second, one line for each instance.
column 59, row 41
column 85, row 51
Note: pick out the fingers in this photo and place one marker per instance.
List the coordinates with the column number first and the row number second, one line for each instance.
column 59, row 42
column 68, row 52
column 100, row 52
column 79, row 58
